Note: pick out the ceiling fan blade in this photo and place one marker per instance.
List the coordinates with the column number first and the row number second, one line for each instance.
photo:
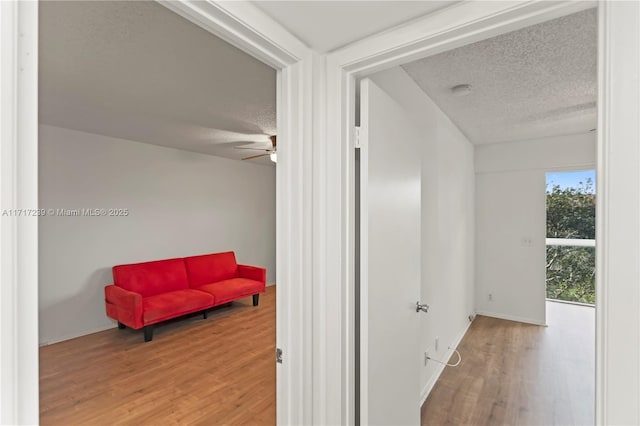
column 256, row 156
column 254, row 149
column 273, row 140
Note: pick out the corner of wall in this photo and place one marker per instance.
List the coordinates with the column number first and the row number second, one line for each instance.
column 428, row 387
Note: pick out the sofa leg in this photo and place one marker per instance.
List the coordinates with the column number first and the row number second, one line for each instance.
column 121, row 326
column 204, row 314
column 148, row 333
column 256, row 297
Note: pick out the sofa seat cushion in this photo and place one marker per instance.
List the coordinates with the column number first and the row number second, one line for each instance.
column 235, row 288
column 174, row 304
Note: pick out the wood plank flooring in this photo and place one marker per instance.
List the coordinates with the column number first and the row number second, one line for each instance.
column 215, row 371
column 518, row 374
column 221, row 371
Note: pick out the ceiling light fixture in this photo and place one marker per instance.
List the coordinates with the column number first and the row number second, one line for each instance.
column 461, row 90
column 274, row 156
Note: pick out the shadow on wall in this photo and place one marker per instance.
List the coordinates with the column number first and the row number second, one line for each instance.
column 87, row 301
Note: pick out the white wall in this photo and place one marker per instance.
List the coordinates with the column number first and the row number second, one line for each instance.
column 180, row 203
column 511, row 220
column 548, row 154
column 447, row 222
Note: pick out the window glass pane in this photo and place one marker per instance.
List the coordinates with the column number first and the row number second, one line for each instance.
column 571, row 273
column 571, row 214
column 571, row 205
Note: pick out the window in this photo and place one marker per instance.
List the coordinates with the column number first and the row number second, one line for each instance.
column 571, row 214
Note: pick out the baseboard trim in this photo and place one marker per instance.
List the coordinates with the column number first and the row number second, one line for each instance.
column 90, row 331
column 436, row 375
column 80, row 334
column 512, row 318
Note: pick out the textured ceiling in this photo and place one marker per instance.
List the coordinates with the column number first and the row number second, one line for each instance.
column 536, row 82
column 328, row 25
column 136, row 70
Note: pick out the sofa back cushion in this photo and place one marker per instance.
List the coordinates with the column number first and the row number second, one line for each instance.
column 151, row 278
column 211, row 268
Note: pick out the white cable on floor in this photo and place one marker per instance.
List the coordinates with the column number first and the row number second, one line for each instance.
column 447, row 364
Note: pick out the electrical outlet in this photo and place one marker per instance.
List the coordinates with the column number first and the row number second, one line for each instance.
column 435, row 345
column 490, row 297
column 426, row 357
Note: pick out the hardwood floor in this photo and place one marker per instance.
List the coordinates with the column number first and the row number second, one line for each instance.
column 215, row 371
column 221, row 371
column 518, row 374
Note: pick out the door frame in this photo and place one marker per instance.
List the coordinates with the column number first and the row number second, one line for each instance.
column 242, row 25
column 618, row 298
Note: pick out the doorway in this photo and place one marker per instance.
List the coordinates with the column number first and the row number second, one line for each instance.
column 484, row 141
column 187, row 126
column 287, row 55
column 617, row 25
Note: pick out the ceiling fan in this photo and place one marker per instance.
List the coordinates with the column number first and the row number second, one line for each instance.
column 271, row 152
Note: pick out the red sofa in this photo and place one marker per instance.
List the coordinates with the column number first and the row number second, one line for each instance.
column 144, row 294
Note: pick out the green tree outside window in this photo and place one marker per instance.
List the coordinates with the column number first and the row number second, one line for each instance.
column 571, row 214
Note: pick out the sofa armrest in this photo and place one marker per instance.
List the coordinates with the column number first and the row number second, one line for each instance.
column 124, row 306
column 253, row 273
